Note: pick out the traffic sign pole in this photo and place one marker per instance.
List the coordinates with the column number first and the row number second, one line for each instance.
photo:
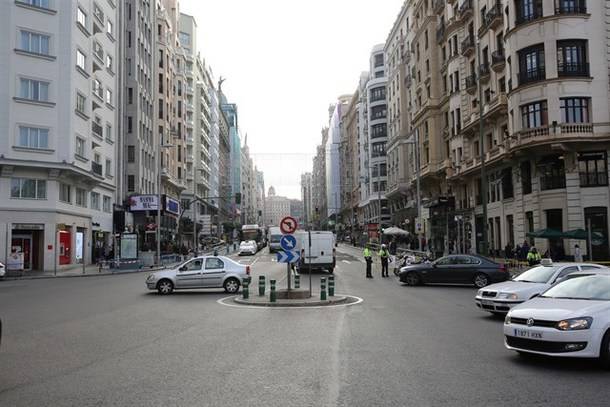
column 288, row 226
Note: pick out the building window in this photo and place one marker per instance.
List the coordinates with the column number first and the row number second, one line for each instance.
column 378, row 60
column 98, row 13
column 80, row 147
column 131, row 183
column 98, row 89
column 108, row 97
column 131, row 154
column 108, row 132
column 129, row 124
column 107, row 204
column 378, row 150
column 526, row 177
column 80, row 103
column 27, row 188
column 529, row 225
column 33, row 137
column 81, row 17
column 81, row 197
column 531, row 64
column 81, row 60
column 109, row 62
column 110, row 28
column 570, row 6
column 572, row 58
column 35, row 43
column 130, row 96
column 528, row 10
column 65, row 193
column 95, row 201
column 185, row 39
column 98, row 50
column 378, row 112
column 552, row 172
column 377, row 94
column 534, row 115
column 575, row 110
column 37, row 3
column 593, row 168
column 34, row 90
column 108, row 168
column 507, row 183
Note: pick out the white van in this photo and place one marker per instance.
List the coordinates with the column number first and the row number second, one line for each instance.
column 275, row 235
column 322, row 254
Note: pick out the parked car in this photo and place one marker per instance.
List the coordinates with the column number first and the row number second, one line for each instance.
column 501, row 297
column 318, row 254
column 2, row 270
column 275, row 235
column 455, row 269
column 570, row 319
column 248, row 247
column 200, row 272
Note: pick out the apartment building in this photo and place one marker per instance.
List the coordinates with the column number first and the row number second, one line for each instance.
column 318, row 180
column 59, row 117
column 333, row 158
column 224, row 165
column 276, row 208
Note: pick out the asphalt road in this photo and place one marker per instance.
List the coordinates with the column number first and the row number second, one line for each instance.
column 106, row 340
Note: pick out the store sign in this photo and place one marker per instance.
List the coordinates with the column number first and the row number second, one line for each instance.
column 172, row 206
column 143, row 203
column 27, row 226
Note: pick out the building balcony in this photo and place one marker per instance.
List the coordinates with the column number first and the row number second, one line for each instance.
column 484, row 72
column 438, row 6
column 97, row 130
column 566, row 132
column 498, row 60
column 493, row 18
column 96, row 168
column 533, row 75
column 465, row 10
column 573, row 7
column 573, row 70
column 471, row 84
column 467, row 47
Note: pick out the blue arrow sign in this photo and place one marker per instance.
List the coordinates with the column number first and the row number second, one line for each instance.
column 288, row 243
column 288, row 257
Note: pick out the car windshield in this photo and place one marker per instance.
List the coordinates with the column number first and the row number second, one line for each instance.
column 585, row 288
column 276, row 238
column 540, row 274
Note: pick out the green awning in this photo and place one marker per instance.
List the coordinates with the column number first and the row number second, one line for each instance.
column 546, row 234
column 581, row 234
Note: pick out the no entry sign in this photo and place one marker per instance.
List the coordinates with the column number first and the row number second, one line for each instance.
column 288, row 225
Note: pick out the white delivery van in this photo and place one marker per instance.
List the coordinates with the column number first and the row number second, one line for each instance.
column 322, row 253
column 275, row 235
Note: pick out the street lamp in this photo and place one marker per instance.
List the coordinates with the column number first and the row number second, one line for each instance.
column 484, row 249
column 159, row 170
column 415, row 143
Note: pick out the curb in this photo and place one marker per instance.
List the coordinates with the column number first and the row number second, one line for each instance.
column 336, row 300
column 46, row 277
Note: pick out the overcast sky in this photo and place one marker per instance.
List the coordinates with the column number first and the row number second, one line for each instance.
column 284, row 62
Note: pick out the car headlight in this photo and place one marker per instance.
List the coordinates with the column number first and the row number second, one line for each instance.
column 507, row 296
column 480, row 293
column 574, row 324
column 507, row 319
column 151, row 278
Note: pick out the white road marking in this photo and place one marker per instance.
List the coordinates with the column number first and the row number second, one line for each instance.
column 222, row 302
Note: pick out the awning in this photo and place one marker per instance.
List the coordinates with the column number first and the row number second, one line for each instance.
column 394, row 231
column 581, row 234
column 546, row 234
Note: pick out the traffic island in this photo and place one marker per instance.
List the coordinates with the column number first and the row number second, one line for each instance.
column 313, row 301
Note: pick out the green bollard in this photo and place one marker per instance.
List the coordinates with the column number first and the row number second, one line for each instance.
column 245, row 292
column 322, row 289
column 331, row 286
column 272, row 294
column 261, row 286
column 297, row 281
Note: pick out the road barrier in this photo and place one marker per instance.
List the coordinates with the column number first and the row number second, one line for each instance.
column 245, row 292
column 261, row 286
column 323, row 289
column 297, row 281
column 331, row 286
column 272, row 294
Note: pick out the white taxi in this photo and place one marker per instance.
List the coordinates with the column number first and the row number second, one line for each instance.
column 501, row 297
column 571, row 319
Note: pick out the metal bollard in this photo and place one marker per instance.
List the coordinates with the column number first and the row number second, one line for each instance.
column 323, row 289
column 331, row 286
column 245, row 292
column 297, row 281
column 272, row 294
column 261, row 285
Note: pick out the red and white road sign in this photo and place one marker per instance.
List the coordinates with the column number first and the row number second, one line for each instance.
column 288, row 225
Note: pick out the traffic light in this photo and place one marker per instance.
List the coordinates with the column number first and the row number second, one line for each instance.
column 238, row 198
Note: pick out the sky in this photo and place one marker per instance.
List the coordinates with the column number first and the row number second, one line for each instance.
column 285, row 62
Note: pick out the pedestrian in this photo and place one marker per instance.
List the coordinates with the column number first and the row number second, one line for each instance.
column 533, row 257
column 369, row 261
column 393, row 247
column 577, row 254
column 383, row 256
column 508, row 251
column 525, row 249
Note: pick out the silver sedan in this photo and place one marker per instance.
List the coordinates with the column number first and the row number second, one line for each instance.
column 200, row 272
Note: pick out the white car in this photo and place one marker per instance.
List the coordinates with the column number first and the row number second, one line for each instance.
column 501, row 297
column 571, row 319
column 2, row 270
column 200, row 272
column 248, row 247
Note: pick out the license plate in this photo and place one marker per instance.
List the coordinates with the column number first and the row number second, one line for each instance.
column 487, row 302
column 522, row 333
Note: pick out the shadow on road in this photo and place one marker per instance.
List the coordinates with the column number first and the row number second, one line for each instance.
column 547, row 363
column 188, row 293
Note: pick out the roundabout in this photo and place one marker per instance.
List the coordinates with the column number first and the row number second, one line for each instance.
column 314, row 302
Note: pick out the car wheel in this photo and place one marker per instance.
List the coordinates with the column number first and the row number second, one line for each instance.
column 481, row 280
column 412, row 279
column 231, row 285
column 604, row 352
column 165, row 287
column 331, row 270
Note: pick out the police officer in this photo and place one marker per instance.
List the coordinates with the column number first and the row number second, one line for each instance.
column 533, row 257
column 368, row 258
column 384, row 256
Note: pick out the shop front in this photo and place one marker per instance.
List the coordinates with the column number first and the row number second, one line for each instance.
column 27, row 243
